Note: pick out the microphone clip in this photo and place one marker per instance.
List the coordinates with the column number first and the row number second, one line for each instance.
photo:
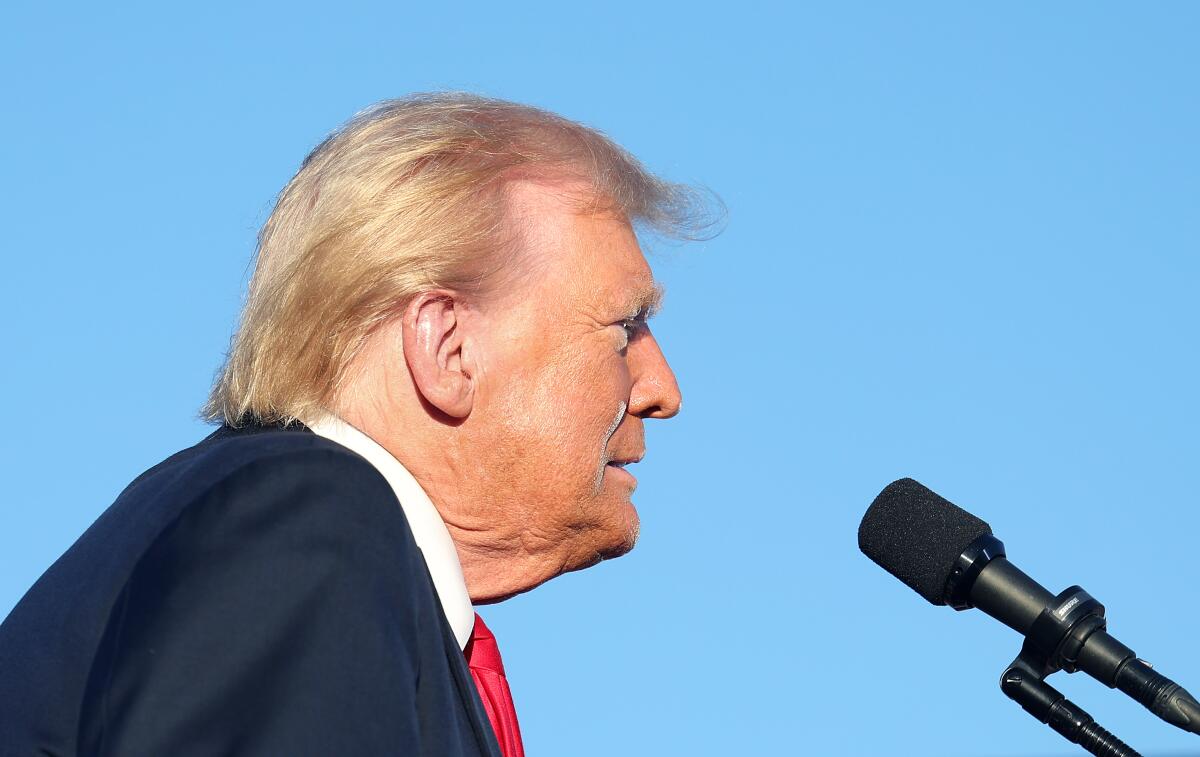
column 1060, row 631
column 1053, row 643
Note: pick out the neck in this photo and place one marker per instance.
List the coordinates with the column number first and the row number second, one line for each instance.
column 499, row 558
column 498, row 566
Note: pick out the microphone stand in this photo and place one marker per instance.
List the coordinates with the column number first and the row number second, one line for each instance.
column 1053, row 643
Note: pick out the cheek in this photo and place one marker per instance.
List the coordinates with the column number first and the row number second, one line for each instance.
column 576, row 414
column 559, row 425
column 562, row 405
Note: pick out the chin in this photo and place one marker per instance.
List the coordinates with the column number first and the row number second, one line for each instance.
column 625, row 535
column 608, row 540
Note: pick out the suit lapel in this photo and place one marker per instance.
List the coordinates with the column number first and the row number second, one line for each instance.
column 465, row 685
column 468, row 693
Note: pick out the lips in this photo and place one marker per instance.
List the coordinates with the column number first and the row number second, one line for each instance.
column 621, row 462
column 617, row 468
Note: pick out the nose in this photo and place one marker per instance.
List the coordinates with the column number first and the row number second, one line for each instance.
column 655, row 392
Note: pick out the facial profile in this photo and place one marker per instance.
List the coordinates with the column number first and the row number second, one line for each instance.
column 570, row 373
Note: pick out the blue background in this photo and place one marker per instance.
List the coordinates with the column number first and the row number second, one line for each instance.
column 961, row 247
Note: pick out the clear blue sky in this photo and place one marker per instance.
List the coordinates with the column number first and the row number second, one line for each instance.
column 962, row 246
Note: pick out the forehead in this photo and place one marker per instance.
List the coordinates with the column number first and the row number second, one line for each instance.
column 576, row 247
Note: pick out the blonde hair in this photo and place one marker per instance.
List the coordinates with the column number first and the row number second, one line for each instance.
column 405, row 197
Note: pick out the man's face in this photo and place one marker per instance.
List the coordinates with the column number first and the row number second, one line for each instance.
column 570, row 371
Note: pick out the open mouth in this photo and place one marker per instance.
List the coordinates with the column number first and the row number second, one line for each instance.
column 621, row 463
column 618, row 469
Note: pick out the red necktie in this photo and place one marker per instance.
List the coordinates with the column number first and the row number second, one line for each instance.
column 483, row 659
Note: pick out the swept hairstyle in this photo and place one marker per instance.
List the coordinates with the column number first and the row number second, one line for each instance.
column 406, row 197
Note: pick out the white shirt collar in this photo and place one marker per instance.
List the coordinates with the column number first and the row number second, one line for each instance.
column 428, row 528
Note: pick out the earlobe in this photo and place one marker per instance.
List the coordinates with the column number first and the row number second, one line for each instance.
column 433, row 349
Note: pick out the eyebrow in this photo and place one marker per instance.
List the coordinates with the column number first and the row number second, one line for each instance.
column 646, row 300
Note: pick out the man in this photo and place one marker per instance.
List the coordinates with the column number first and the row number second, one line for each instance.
column 442, row 372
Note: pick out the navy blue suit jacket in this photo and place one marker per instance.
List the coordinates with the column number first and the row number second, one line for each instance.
column 257, row 594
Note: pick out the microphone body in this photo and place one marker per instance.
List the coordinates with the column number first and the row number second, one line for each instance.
column 949, row 556
column 1003, row 591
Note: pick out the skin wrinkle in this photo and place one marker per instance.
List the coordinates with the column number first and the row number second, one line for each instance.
column 507, row 406
column 607, row 456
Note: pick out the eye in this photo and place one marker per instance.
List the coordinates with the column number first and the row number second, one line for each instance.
column 630, row 328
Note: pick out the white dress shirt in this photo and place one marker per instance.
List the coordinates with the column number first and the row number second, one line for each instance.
column 428, row 528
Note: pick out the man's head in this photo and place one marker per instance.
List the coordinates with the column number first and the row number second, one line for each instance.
column 459, row 278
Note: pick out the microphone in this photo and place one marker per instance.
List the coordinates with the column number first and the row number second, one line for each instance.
column 950, row 557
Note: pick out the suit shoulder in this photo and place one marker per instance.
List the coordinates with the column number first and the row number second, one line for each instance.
column 234, row 487
column 293, row 559
column 227, row 450
column 244, row 494
column 231, row 528
column 292, row 473
column 285, row 475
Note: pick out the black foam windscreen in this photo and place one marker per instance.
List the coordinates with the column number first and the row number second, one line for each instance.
column 917, row 536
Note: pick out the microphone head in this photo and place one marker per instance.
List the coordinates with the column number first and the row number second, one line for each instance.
column 917, row 536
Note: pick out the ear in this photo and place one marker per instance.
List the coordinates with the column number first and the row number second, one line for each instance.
column 433, row 349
